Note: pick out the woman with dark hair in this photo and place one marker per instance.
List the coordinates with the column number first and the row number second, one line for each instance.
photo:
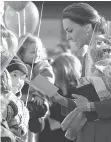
column 81, row 22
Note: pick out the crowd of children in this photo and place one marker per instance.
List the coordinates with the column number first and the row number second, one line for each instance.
column 17, row 116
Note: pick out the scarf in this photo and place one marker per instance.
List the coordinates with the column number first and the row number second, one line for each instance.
column 76, row 120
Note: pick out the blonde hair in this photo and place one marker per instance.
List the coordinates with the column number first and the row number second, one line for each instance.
column 40, row 51
column 68, row 68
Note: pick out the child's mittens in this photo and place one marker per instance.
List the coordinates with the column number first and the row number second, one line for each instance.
column 14, row 107
column 11, row 111
column 38, row 113
column 19, row 124
column 36, row 125
column 37, row 109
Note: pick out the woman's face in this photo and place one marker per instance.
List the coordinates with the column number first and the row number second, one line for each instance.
column 18, row 78
column 29, row 53
column 76, row 35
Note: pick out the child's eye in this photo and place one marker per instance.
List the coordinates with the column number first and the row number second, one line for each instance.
column 15, row 75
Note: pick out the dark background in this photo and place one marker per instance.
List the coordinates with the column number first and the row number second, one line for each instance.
column 51, row 31
column 52, row 9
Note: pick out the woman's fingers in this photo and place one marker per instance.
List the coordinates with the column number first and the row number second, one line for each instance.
column 76, row 96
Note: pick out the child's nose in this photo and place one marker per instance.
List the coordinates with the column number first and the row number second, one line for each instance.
column 23, row 77
column 19, row 80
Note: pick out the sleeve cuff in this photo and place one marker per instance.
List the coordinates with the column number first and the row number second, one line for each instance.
column 66, row 110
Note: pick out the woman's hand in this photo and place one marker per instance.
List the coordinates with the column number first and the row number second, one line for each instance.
column 59, row 99
column 81, row 102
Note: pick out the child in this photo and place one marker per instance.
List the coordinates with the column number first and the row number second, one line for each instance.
column 67, row 69
column 18, row 124
column 6, row 98
column 31, row 49
column 32, row 52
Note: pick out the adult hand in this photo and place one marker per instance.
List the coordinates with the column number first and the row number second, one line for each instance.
column 81, row 102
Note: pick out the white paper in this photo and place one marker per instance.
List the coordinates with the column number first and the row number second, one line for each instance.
column 42, row 84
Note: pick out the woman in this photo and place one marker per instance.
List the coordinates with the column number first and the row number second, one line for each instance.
column 8, row 106
column 79, row 21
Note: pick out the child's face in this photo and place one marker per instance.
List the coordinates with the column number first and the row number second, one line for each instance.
column 18, row 78
column 29, row 53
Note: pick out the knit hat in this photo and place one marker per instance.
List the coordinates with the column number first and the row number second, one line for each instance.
column 17, row 64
